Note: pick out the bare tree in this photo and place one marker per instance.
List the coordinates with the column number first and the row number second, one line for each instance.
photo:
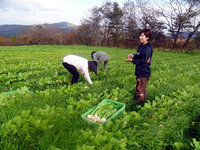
column 83, row 34
column 110, row 24
column 191, row 34
column 197, row 40
column 106, row 10
column 55, row 32
column 130, row 29
column 93, row 27
column 4, row 41
column 178, row 15
column 95, row 23
column 115, row 23
column 39, row 34
column 69, row 38
column 46, row 34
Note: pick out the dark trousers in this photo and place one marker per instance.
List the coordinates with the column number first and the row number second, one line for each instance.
column 105, row 64
column 73, row 71
column 141, row 91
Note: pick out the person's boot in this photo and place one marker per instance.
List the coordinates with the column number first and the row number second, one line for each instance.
column 141, row 103
column 139, row 100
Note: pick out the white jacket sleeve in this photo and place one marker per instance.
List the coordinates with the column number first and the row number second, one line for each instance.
column 86, row 75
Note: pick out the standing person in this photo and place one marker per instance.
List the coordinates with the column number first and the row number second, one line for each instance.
column 142, row 60
column 100, row 57
column 73, row 62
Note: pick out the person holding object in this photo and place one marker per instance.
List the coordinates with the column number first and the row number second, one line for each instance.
column 100, row 57
column 73, row 62
column 142, row 60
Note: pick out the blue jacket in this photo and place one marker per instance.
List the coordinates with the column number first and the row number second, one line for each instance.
column 142, row 60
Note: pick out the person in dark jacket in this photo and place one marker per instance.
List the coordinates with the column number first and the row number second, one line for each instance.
column 142, row 60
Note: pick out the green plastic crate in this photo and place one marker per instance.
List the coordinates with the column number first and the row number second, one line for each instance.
column 12, row 92
column 118, row 105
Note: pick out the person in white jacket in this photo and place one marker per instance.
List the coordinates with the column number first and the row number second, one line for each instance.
column 73, row 62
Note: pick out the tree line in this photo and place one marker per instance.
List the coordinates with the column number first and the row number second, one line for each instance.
column 175, row 25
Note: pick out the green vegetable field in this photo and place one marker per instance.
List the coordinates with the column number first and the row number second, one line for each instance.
column 45, row 113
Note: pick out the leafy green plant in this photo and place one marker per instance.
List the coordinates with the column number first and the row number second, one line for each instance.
column 195, row 144
column 45, row 111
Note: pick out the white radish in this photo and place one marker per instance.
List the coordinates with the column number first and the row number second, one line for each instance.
column 95, row 116
column 98, row 119
column 89, row 117
column 103, row 120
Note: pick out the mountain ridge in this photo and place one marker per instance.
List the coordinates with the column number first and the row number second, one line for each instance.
column 8, row 30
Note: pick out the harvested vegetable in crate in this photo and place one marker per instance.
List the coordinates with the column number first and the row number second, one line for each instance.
column 102, row 112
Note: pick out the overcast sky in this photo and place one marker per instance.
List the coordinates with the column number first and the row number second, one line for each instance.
column 46, row 11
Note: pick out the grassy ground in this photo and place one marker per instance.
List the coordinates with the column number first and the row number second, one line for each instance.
column 49, row 117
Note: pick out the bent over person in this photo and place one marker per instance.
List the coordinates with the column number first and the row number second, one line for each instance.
column 100, row 57
column 73, row 62
column 142, row 60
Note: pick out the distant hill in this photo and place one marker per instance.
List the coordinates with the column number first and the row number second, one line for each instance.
column 12, row 30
